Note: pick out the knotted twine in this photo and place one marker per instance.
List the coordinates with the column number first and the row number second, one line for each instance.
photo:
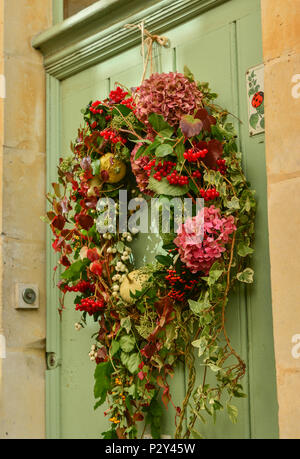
column 148, row 41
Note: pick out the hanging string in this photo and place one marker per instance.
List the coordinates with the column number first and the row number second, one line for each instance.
column 148, row 40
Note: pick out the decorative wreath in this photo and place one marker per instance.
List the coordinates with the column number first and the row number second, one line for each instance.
column 165, row 138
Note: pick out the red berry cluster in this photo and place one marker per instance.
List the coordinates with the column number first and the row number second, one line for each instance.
column 117, row 95
column 222, row 166
column 129, row 103
column 161, row 169
column 197, row 174
column 193, row 154
column 177, row 179
column 90, row 305
column 179, row 284
column 81, row 287
column 112, row 136
column 209, row 194
column 94, row 109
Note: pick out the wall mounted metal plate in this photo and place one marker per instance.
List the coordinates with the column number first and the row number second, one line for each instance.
column 27, row 296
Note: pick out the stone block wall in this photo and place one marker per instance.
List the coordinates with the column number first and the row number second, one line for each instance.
column 22, row 240
column 281, row 47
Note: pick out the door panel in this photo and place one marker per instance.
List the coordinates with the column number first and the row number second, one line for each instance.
column 218, row 46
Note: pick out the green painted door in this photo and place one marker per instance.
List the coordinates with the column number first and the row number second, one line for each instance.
column 218, row 46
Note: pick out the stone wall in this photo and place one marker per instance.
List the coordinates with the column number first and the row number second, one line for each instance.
column 22, row 397
column 281, row 46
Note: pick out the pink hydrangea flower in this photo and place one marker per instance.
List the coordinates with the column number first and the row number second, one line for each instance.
column 137, row 166
column 198, row 254
column 171, row 95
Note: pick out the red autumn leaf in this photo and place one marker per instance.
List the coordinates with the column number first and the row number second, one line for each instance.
column 65, row 261
column 149, row 350
column 166, row 397
column 96, row 268
column 190, row 126
column 103, row 330
column 101, row 355
column 206, row 119
column 91, row 203
column 138, row 417
column 85, row 221
column 50, row 215
column 215, row 151
column 67, row 234
column 92, row 254
column 141, row 375
column 58, row 222
column 149, row 386
column 58, row 244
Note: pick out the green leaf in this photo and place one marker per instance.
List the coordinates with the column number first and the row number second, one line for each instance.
column 163, row 150
column 246, row 276
column 188, row 74
column 140, row 152
column 158, row 123
column 127, row 343
column 214, row 274
column 96, row 167
column 163, row 187
column 115, row 346
column 198, row 306
column 244, row 250
column 164, row 259
column 133, row 362
column 262, row 123
column 126, row 323
column 254, row 120
column 232, row 413
column 201, row 345
column 102, row 375
column 234, row 204
column 74, row 271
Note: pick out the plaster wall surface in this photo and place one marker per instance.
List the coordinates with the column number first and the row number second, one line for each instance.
column 281, row 47
column 22, row 202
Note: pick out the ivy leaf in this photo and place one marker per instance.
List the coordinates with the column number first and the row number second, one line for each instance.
column 127, row 343
column 126, row 323
column 244, row 250
column 163, row 150
column 246, row 276
column 234, row 204
column 201, row 345
column 214, row 274
column 232, row 413
column 190, row 126
column 198, row 306
column 163, row 187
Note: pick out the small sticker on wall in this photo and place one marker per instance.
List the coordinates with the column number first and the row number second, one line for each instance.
column 256, row 96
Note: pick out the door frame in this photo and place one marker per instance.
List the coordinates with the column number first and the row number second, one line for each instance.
column 68, row 49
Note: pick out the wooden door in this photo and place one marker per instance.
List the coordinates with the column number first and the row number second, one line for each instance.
column 218, row 46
